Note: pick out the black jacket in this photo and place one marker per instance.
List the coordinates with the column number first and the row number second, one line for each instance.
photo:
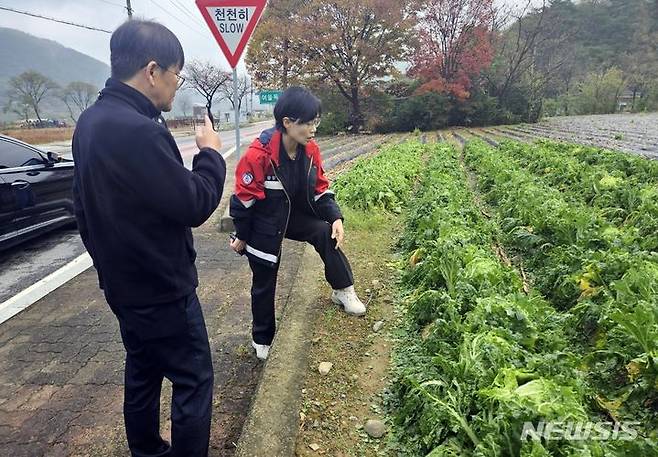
column 261, row 203
column 135, row 201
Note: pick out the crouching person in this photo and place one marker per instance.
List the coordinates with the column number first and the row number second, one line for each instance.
column 281, row 192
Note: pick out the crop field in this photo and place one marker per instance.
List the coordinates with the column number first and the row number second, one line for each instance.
column 527, row 295
column 634, row 133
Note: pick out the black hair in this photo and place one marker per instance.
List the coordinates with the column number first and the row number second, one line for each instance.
column 136, row 43
column 298, row 104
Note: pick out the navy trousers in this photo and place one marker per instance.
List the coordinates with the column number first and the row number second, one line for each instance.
column 167, row 341
column 337, row 272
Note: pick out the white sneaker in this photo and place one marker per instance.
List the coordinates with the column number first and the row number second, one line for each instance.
column 349, row 301
column 262, row 350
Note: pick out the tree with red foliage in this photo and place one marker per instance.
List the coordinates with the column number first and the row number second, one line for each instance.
column 455, row 45
column 352, row 44
column 339, row 43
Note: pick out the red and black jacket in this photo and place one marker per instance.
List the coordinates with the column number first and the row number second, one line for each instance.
column 261, row 204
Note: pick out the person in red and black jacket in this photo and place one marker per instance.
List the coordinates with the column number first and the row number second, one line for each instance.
column 281, row 192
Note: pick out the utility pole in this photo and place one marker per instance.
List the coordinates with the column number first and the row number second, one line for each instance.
column 129, row 9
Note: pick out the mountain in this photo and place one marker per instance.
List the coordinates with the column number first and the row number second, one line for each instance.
column 20, row 51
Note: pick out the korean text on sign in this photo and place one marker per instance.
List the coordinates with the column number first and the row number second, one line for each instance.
column 232, row 14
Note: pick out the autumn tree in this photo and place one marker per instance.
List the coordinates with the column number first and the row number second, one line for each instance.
column 275, row 58
column 533, row 56
column 30, row 88
column 342, row 43
column 78, row 96
column 454, row 44
column 351, row 44
column 206, row 78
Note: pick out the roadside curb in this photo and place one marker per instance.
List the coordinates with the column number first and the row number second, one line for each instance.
column 226, row 221
column 272, row 424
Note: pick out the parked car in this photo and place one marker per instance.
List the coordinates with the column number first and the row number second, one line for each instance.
column 42, row 124
column 36, row 191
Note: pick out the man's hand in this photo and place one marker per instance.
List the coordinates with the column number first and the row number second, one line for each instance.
column 337, row 232
column 238, row 245
column 206, row 137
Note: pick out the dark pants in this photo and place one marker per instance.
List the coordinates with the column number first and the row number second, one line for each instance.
column 337, row 271
column 167, row 341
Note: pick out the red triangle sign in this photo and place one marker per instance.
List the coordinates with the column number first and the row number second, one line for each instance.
column 232, row 22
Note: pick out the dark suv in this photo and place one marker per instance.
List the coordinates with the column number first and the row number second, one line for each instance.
column 36, row 191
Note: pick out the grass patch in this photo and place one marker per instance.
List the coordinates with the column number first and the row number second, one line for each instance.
column 40, row 136
column 335, row 407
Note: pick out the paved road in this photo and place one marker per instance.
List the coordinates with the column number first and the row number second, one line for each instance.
column 185, row 141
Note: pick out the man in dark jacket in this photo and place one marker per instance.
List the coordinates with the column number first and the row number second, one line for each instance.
column 135, row 203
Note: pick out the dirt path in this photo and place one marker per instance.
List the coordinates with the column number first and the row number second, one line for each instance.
column 336, row 406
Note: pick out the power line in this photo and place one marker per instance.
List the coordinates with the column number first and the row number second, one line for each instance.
column 87, row 27
column 190, row 13
column 112, row 3
column 127, row 7
column 179, row 7
column 176, row 18
column 184, row 23
column 82, row 26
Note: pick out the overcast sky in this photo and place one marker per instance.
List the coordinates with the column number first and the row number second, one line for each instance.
column 181, row 16
column 109, row 14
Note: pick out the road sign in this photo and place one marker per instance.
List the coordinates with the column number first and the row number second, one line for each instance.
column 231, row 22
column 269, row 96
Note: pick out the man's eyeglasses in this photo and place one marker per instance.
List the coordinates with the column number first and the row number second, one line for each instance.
column 180, row 80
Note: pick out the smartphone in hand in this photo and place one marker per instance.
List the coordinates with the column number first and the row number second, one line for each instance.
column 212, row 119
column 233, row 238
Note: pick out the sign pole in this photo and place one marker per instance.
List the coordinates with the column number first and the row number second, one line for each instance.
column 232, row 22
column 236, row 108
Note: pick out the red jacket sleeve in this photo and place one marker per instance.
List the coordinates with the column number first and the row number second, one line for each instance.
column 322, row 184
column 250, row 177
column 249, row 187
